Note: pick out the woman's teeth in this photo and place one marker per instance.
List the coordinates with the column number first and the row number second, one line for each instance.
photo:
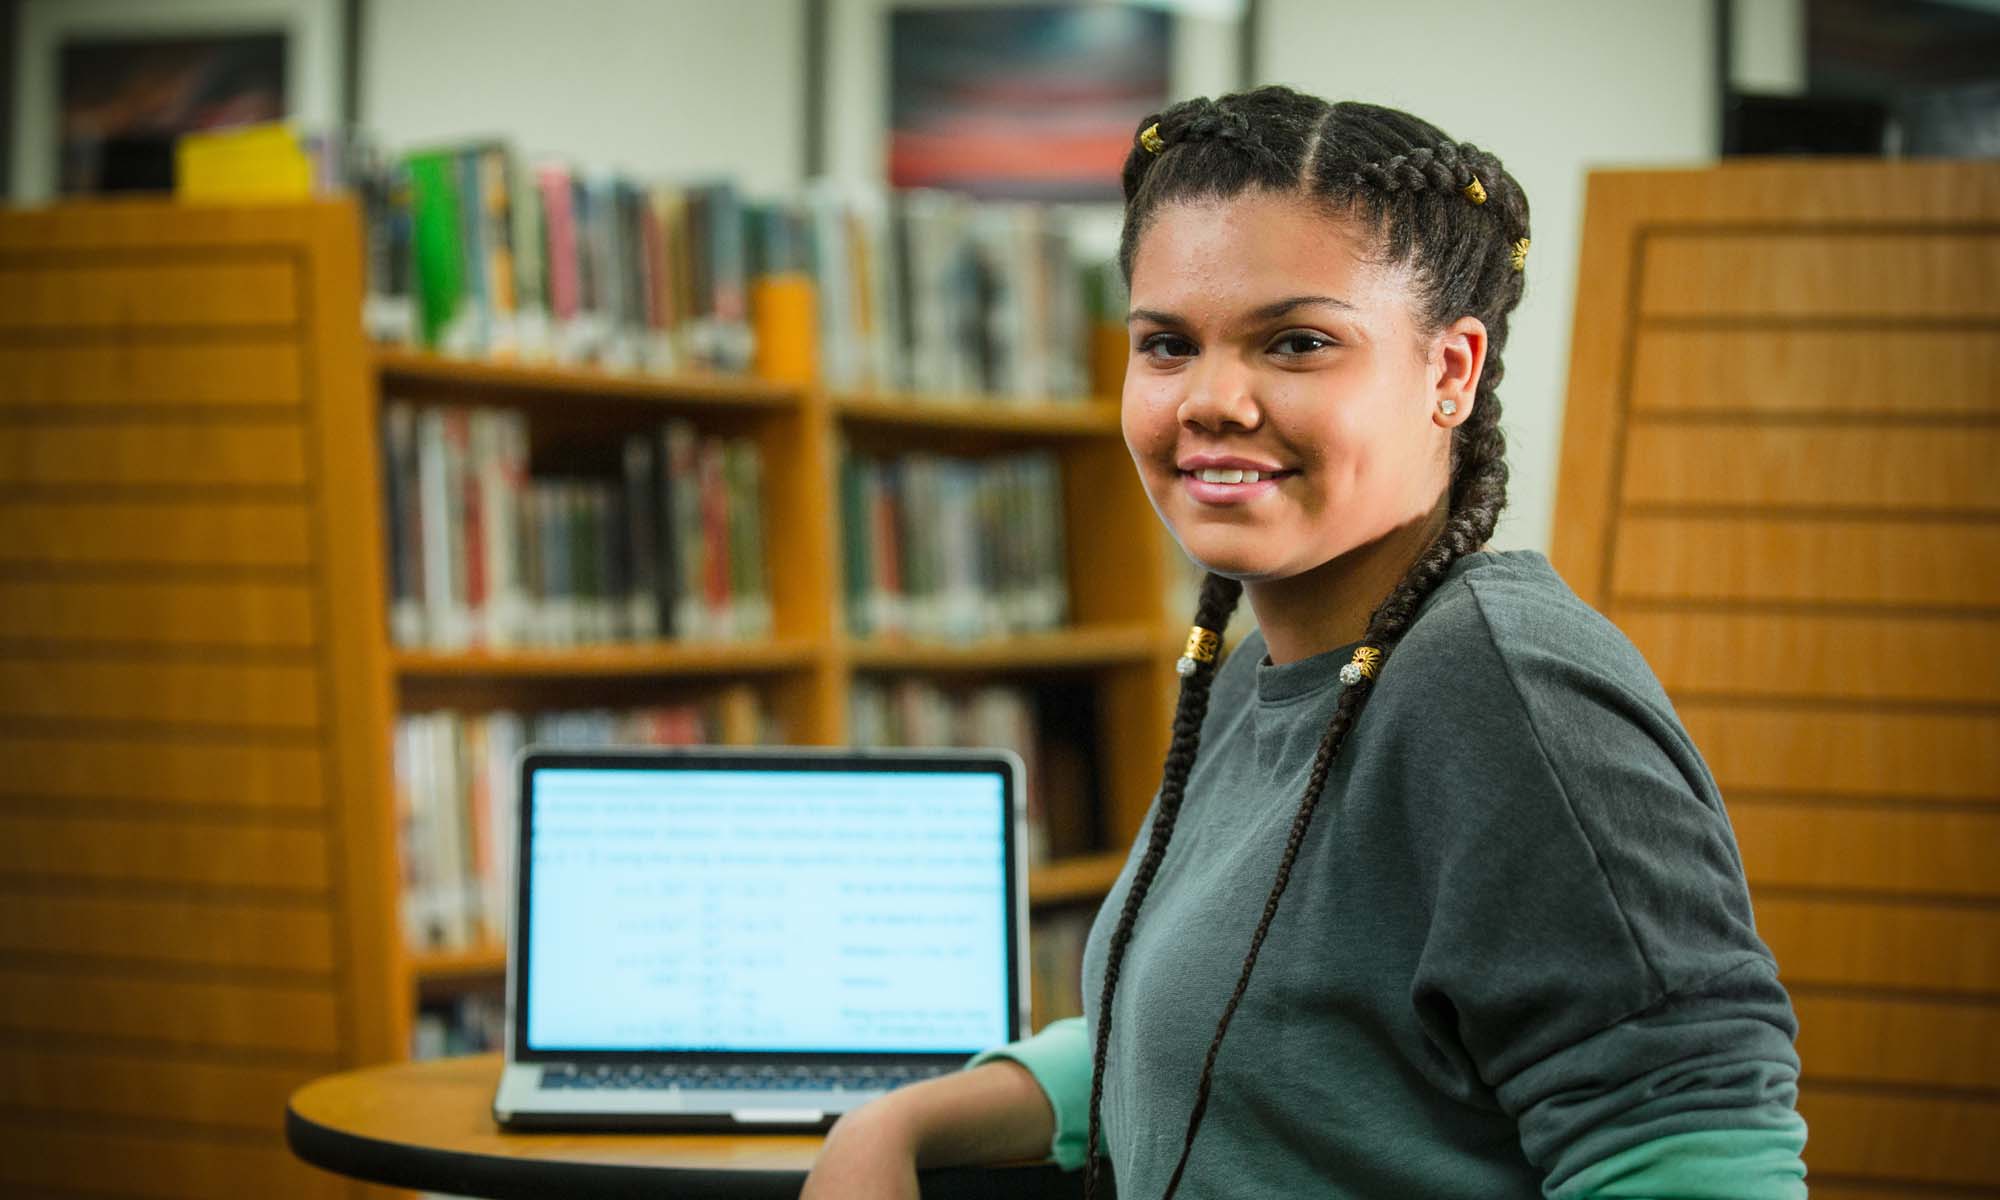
column 1230, row 475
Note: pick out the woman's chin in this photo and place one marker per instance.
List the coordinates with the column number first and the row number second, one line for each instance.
column 1241, row 563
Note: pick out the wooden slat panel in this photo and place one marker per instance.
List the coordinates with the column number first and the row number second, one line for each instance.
column 137, row 375
column 1891, row 945
column 1946, row 276
column 1872, row 849
column 1808, row 561
column 1823, row 657
column 1904, row 470
column 235, row 1095
column 1864, row 1133
column 275, row 697
column 207, row 534
column 1894, row 372
column 221, row 1015
column 163, row 770
column 1906, row 1042
column 158, row 1168
column 249, row 292
column 205, row 453
column 158, row 612
column 202, row 853
column 1818, row 753
column 204, row 933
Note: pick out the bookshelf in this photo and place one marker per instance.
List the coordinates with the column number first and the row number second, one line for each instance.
column 1119, row 643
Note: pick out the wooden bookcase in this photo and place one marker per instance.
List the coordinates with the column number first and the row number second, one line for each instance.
column 1120, row 642
column 198, row 694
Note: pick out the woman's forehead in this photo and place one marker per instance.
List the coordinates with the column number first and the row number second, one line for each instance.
column 1243, row 253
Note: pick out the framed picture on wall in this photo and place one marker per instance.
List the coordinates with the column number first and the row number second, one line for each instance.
column 102, row 88
column 1021, row 99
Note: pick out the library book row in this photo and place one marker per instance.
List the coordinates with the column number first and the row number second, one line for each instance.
column 669, row 541
column 475, row 251
column 458, row 800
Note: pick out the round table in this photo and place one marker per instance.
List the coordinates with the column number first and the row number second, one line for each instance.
column 429, row 1126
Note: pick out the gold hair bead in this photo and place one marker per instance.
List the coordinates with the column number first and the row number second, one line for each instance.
column 1520, row 255
column 1149, row 137
column 1366, row 660
column 1475, row 191
column 1201, row 647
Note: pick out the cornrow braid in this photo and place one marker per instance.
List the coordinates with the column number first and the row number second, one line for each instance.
column 1409, row 181
column 1218, row 600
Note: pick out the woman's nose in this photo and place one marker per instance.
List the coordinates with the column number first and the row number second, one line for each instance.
column 1221, row 392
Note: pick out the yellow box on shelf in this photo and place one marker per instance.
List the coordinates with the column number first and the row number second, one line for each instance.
column 250, row 162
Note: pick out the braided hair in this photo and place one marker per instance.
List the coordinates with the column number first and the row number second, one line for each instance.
column 1412, row 186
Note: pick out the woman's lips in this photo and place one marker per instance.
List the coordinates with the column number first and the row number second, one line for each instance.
column 1206, row 492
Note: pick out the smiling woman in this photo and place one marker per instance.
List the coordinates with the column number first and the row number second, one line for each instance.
column 1431, row 849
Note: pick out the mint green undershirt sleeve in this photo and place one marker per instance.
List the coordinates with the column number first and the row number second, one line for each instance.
column 1059, row 1059
column 1713, row 1164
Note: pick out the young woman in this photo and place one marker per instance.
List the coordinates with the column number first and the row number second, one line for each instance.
column 1437, row 898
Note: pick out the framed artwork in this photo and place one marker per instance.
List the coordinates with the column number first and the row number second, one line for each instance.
column 1021, row 101
column 103, row 87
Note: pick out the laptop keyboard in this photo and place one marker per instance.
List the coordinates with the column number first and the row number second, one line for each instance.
column 842, row 1077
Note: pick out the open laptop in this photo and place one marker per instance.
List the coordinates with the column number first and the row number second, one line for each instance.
column 757, row 939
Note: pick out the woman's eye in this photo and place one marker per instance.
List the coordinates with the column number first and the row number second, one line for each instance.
column 1166, row 345
column 1300, row 342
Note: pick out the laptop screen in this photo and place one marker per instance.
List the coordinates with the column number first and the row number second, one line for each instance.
column 766, row 908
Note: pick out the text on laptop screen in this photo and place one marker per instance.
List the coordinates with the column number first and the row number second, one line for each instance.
column 765, row 910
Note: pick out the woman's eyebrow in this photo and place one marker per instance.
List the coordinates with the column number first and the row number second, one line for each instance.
column 1268, row 312
column 1279, row 308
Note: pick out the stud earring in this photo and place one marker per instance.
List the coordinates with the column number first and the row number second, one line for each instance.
column 1448, row 407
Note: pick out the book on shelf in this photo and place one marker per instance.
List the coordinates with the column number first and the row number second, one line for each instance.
column 943, row 547
column 472, row 250
column 458, row 800
column 1056, row 940
column 473, row 1022
column 483, row 554
column 909, row 712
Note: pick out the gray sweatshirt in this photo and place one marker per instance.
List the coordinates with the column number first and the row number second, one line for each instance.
column 1516, row 952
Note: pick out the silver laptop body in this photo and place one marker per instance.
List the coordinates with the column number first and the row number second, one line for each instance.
column 756, row 938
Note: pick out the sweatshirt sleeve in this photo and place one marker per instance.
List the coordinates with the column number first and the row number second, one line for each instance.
column 1591, row 955
column 1059, row 1059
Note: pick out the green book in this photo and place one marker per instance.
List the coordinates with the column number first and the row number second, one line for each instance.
column 435, row 216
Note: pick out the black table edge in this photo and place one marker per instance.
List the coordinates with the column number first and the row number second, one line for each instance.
column 430, row 1169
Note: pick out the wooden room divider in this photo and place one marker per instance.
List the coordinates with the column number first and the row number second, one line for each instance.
column 196, row 868
column 1778, row 477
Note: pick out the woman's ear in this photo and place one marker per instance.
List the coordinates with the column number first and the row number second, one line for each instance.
column 1458, row 355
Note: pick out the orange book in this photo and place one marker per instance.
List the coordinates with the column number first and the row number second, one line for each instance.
column 785, row 321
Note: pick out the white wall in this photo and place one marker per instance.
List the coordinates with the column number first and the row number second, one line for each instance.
column 659, row 88
column 1768, row 50
column 1555, row 88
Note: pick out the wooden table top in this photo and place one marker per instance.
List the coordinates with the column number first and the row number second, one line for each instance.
column 429, row 1125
